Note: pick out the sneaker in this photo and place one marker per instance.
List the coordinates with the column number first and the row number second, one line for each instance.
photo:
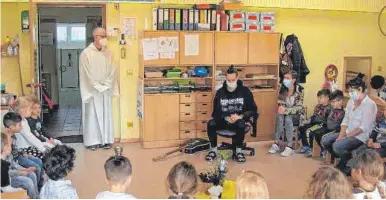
column 288, row 151
column 9, row 188
column 274, row 148
column 211, row 156
column 324, row 155
column 107, row 146
column 305, row 149
column 308, row 153
column 239, row 157
column 93, row 147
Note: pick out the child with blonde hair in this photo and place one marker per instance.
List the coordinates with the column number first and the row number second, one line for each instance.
column 367, row 171
column 251, row 185
column 182, row 181
column 329, row 183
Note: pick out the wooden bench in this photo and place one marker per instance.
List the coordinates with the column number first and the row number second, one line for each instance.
column 15, row 195
column 316, row 150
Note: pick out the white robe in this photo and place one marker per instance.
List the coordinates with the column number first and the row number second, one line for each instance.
column 97, row 86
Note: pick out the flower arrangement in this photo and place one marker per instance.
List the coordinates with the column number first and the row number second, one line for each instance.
column 217, row 172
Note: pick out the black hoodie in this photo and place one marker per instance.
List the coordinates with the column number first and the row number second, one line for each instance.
column 239, row 102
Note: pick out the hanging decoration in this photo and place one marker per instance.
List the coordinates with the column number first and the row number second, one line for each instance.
column 330, row 76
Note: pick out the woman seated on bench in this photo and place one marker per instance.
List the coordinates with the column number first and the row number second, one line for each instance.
column 290, row 103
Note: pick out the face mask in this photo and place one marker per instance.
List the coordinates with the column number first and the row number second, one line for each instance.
column 103, row 42
column 354, row 95
column 231, row 86
column 287, row 83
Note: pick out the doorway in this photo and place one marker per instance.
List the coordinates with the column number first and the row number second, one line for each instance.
column 353, row 65
column 63, row 32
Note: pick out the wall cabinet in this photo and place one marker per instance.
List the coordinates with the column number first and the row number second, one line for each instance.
column 231, row 48
column 261, row 46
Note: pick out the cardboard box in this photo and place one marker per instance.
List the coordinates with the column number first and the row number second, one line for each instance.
column 267, row 17
column 227, row 5
column 267, row 27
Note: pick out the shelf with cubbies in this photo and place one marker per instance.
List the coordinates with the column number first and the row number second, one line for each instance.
column 177, row 95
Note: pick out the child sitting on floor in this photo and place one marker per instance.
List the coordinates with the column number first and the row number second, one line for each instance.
column 329, row 183
column 334, row 119
column 367, row 171
column 27, row 141
column 36, row 124
column 12, row 123
column 58, row 163
column 318, row 122
column 118, row 174
column 251, row 185
column 5, row 165
column 182, row 181
column 20, row 176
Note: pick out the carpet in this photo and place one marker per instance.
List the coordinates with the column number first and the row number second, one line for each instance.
column 71, row 139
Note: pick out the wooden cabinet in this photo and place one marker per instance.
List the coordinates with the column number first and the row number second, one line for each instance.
column 263, row 48
column 267, row 104
column 231, row 48
column 162, row 116
column 162, row 61
column 205, row 53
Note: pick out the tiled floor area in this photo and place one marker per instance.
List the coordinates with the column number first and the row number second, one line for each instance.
column 67, row 121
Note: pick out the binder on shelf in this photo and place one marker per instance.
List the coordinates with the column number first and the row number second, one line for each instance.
column 172, row 19
column 213, row 21
column 160, row 19
column 178, row 20
column 218, row 21
column 166, row 19
column 154, row 22
column 196, row 19
column 191, row 19
column 185, row 19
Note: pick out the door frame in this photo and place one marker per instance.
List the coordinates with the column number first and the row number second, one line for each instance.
column 33, row 5
column 345, row 58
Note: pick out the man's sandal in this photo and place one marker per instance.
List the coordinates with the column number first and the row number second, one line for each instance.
column 239, row 157
column 211, row 156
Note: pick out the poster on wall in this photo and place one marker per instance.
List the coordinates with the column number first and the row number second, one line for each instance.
column 128, row 26
column 140, row 99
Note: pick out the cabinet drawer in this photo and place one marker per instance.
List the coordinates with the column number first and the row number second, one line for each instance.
column 185, row 126
column 202, row 134
column 205, row 97
column 187, row 98
column 203, row 115
column 187, row 116
column 188, row 107
column 202, row 125
column 188, row 134
column 204, row 107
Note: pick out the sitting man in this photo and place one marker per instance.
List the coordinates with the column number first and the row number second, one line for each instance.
column 233, row 106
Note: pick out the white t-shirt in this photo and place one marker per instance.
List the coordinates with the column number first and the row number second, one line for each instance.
column 114, row 195
column 360, row 194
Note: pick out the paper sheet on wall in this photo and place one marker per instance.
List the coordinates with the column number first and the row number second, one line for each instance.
column 167, row 44
column 128, row 26
column 150, row 48
column 140, row 99
column 175, row 43
column 192, row 45
column 46, row 38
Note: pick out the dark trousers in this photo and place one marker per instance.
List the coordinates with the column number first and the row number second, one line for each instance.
column 308, row 133
column 319, row 137
column 343, row 149
column 238, row 127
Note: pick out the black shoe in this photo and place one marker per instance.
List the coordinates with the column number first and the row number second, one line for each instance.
column 239, row 157
column 107, row 146
column 93, row 147
column 211, row 156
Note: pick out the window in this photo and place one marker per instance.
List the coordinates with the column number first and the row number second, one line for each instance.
column 71, row 36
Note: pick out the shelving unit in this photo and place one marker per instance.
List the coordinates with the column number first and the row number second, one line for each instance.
column 170, row 118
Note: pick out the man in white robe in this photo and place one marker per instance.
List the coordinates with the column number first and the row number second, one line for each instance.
column 97, row 86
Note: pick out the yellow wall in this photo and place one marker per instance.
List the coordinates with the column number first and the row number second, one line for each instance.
column 326, row 37
column 10, row 26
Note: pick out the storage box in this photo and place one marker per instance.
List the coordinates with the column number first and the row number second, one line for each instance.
column 153, row 74
column 252, row 17
column 267, row 17
column 252, row 27
column 236, row 16
column 267, row 27
column 226, row 5
column 239, row 26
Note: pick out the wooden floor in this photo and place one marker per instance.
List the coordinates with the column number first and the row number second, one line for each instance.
column 286, row 177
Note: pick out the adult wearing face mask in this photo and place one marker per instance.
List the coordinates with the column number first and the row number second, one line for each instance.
column 97, row 86
column 233, row 106
column 290, row 103
column 356, row 126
